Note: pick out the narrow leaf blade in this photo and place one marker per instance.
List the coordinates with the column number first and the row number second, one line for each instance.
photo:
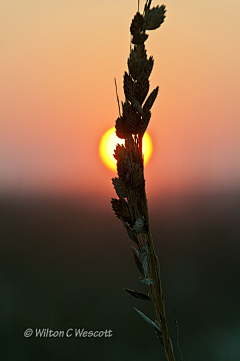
column 139, row 295
column 150, row 322
column 129, row 232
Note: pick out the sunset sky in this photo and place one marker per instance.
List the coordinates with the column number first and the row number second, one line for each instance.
column 65, row 260
column 57, row 68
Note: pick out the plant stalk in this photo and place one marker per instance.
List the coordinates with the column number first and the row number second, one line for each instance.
column 131, row 205
column 157, row 292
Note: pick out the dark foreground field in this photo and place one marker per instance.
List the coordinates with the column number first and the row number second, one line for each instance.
column 64, row 263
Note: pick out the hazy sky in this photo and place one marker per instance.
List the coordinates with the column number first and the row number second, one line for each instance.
column 57, row 97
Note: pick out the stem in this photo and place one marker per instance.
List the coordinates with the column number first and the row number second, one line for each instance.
column 157, row 291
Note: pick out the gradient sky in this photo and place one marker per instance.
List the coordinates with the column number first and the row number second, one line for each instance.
column 57, row 68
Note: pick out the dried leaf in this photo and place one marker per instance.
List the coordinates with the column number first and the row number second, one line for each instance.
column 147, row 5
column 154, row 17
column 137, row 24
column 133, row 58
column 123, row 169
column 137, row 105
column 137, row 259
column 139, row 295
column 137, row 179
column 119, row 187
column 140, row 51
column 150, row 322
column 141, row 88
column 128, row 86
column 139, row 39
column 149, row 66
column 132, row 118
column 119, row 152
column 120, row 208
column 124, row 158
column 150, row 100
column 144, row 122
column 120, row 126
column 137, row 53
column 140, row 204
column 137, row 66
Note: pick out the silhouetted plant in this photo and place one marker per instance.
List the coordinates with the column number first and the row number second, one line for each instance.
column 131, row 205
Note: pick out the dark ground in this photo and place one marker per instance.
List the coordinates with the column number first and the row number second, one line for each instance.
column 64, row 263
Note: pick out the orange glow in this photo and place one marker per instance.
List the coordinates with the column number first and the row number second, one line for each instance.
column 108, row 143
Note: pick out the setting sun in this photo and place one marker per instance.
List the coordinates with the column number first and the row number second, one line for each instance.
column 108, row 143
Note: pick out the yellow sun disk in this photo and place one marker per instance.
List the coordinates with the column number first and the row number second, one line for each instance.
column 108, row 143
